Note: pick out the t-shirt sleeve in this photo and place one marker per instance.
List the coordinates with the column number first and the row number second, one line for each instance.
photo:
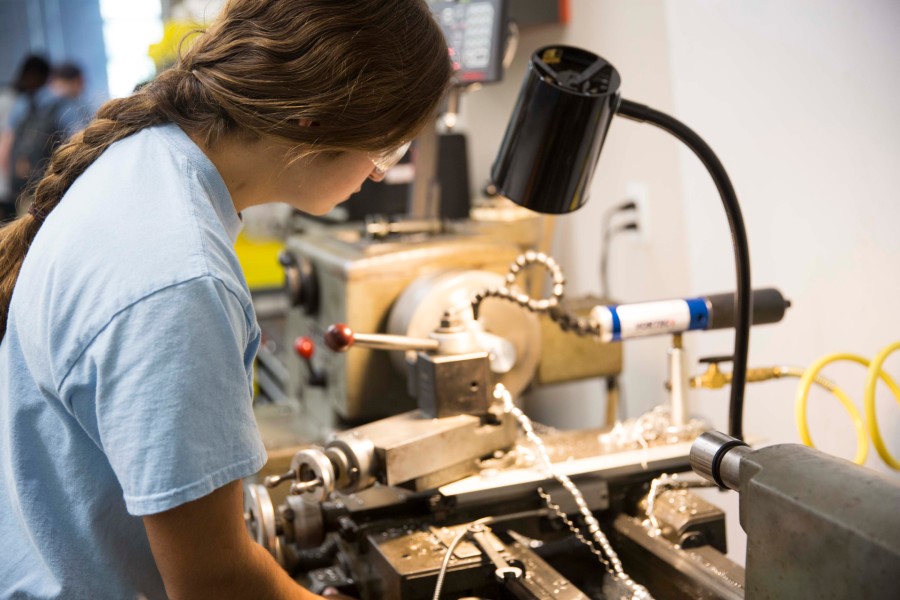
column 165, row 390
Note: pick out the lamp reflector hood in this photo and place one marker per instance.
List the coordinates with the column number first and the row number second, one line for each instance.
column 556, row 130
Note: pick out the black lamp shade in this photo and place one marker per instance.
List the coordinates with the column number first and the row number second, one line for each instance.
column 556, row 130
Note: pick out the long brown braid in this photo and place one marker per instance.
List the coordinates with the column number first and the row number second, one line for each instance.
column 369, row 73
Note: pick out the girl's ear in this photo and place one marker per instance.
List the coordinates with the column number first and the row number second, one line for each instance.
column 308, row 123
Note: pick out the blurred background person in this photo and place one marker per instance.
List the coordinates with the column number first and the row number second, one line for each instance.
column 42, row 116
column 67, row 82
column 32, row 77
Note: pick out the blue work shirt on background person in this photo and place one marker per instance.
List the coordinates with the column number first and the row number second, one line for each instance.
column 73, row 114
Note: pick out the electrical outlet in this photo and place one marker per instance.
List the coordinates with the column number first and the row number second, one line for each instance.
column 637, row 193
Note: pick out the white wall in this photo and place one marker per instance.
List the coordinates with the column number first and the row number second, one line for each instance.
column 798, row 99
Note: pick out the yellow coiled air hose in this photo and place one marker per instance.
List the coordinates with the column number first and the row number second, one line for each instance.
column 870, row 425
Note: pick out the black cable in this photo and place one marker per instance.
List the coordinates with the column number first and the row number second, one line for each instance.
column 743, row 298
column 608, row 233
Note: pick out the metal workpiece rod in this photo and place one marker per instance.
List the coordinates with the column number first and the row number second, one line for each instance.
column 393, row 342
column 302, row 487
column 340, row 338
column 275, row 480
column 386, row 228
column 678, row 382
column 717, row 457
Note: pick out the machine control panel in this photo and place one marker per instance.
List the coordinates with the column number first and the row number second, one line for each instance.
column 475, row 32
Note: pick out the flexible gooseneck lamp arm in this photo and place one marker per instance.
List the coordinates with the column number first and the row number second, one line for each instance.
column 550, row 150
column 744, row 298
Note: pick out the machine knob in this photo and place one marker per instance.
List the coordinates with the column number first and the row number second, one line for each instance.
column 305, row 348
column 339, row 337
column 314, row 474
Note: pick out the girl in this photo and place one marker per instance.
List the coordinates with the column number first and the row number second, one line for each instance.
column 127, row 328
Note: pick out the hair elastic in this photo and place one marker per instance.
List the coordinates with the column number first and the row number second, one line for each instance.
column 37, row 214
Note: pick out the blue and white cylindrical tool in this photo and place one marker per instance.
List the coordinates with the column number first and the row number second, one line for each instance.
column 627, row 321
column 643, row 319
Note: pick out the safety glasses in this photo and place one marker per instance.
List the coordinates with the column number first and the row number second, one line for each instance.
column 384, row 161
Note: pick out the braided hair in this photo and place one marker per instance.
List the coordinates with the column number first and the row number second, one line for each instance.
column 369, row 73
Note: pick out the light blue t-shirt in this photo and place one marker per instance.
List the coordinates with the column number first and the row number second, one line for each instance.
column 125, row 372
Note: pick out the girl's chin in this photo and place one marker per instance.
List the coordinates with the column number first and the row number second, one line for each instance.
column 317, row 209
